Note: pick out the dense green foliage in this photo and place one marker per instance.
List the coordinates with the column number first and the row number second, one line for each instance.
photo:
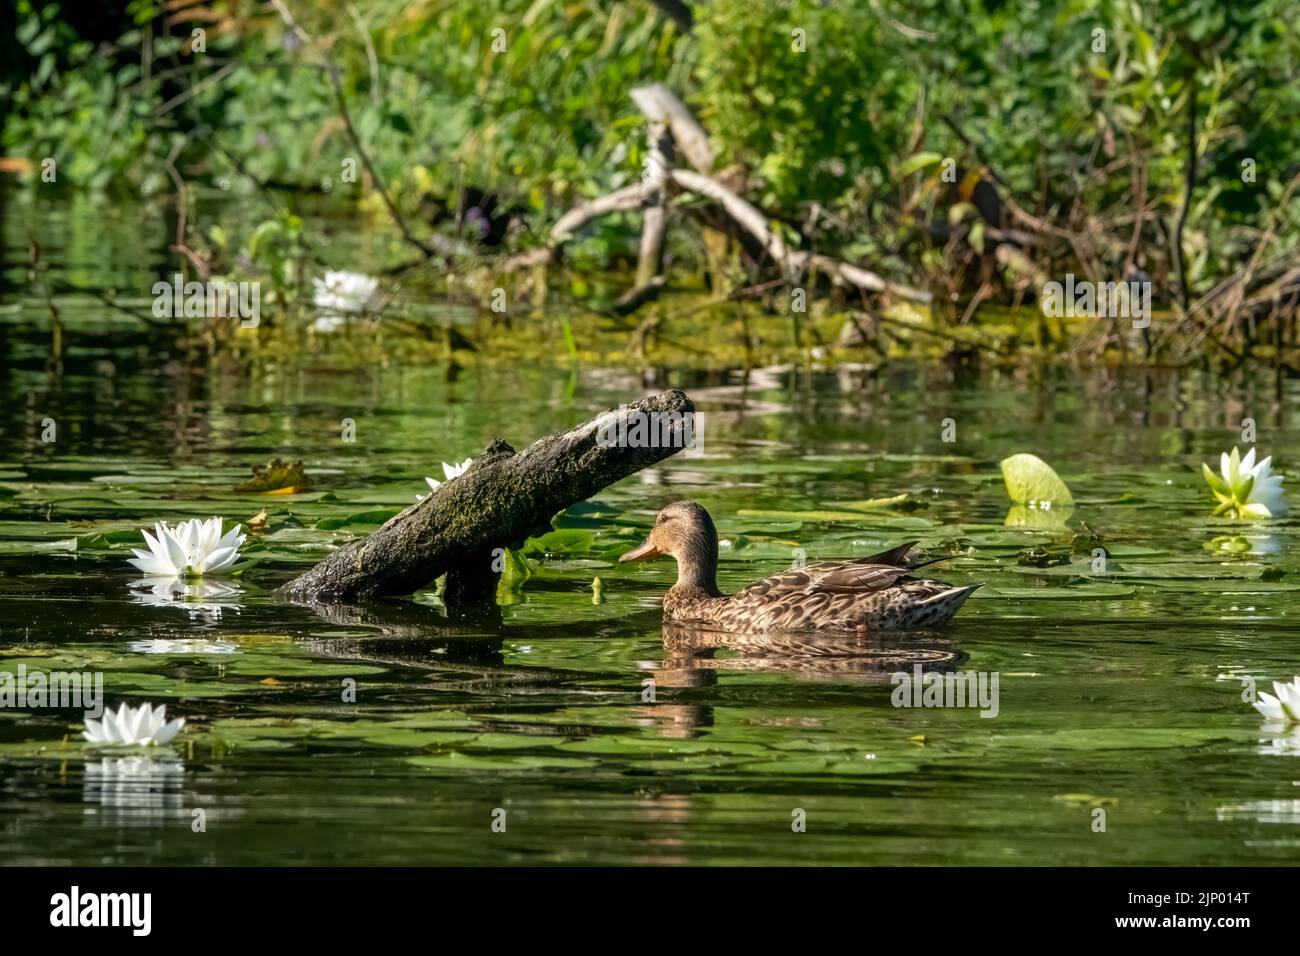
column 846, row 121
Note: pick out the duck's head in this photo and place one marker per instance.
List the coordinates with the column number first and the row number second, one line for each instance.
column 685, row 531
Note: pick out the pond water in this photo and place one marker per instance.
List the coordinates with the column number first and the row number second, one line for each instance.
column 1120, row 688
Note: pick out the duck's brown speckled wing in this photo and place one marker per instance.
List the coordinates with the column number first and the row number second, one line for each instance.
column 871, row 593
column 868, row 594
column 831, row 577
column 873, row 573
column 889, row 601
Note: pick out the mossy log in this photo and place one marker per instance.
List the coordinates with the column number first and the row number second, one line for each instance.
column 504, row 498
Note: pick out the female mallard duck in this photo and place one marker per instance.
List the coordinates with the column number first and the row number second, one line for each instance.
column 867, row 594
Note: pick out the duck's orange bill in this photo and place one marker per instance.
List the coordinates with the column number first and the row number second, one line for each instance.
column 647, row 550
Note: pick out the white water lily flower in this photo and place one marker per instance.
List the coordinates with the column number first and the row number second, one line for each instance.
column 341, row 294
column 133, row 725
column 1244, row 488
column 1285, row 707
column 450, row 472
column 191, row 549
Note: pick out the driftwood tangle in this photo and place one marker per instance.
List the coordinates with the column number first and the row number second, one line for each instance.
column 504, row 498
column 672, row 132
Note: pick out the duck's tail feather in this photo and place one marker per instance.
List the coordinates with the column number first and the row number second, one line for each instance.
column 899, row 557
column 902, row 557
column 913, row 566
column 940, row 608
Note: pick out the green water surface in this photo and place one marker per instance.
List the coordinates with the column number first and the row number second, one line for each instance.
column 1121, row 689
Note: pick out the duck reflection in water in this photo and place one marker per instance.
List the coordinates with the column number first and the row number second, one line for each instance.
column 693, row 658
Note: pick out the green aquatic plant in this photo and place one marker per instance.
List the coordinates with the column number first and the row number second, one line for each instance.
column 277, row 477
column 1243, row 544
column 1039, row 498
column 1031, row 481
column 515, row 572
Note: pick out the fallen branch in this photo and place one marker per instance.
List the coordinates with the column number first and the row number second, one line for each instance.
column 793, row 263
column 673, row 129
column 504, row 498
column 739, row 210
column 621, row 200
column 634, row 298
column 655, row 221
column 661, row 107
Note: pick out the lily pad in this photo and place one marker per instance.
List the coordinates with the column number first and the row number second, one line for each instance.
column 1030, row 479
